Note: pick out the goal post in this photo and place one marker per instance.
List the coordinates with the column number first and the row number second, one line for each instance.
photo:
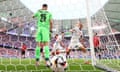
column 90, row 33
column 109, row 46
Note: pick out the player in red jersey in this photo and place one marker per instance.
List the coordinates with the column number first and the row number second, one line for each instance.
column 23, row 49
column 96, row 42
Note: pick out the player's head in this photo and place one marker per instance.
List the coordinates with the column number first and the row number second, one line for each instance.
column 95, row 34
column 79, row 25
column 44, row 6
column 56, row 36
column 62, row 33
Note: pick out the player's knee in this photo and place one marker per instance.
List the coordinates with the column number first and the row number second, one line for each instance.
column 46, row 44
column 39, row 44
column 83, row 49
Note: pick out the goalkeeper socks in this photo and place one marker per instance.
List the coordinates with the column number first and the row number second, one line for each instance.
column 46, row 52
column 47, row 55
column 37, row 52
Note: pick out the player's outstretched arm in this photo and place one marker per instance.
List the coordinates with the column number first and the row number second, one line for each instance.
column 71, row 30
column 35, row 15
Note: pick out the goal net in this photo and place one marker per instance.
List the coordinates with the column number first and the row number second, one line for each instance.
column 108, row 56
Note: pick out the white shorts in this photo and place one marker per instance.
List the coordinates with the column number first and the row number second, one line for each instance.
column 75, row 45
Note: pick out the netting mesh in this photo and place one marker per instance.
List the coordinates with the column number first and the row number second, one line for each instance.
column 109, row 46
column 18, row 27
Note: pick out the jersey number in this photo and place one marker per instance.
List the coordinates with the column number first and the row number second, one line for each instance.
column 43, row 18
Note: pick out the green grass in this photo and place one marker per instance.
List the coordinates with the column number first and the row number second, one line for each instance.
column 111, row 63
column 28, row 65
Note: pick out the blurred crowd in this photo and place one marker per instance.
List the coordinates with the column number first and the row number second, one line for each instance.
column 10, row 46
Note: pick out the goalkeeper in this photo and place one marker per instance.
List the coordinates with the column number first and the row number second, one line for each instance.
column 44, row 27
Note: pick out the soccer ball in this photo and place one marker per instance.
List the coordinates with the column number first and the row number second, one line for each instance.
column 59, row 63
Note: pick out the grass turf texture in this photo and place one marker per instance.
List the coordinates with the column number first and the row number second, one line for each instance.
column 111, row 63
column 28, row 65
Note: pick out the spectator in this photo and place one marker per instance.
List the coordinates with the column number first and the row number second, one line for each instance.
column 96, row 43
column 24, row 47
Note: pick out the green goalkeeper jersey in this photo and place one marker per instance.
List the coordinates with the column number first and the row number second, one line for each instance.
column 43, row 18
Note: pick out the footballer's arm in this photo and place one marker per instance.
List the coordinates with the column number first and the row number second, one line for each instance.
column 71, row 30
column 51, row 24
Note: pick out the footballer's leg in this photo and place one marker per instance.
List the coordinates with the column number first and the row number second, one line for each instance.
column 99, row 52
column 46, row 39
column 47, row 54
column 37, row 50
column 68, row 49
column 54, row 49
column 24, row 54
column 42, row 53
column 37, row 55
column 83, row 49
column 68, row 53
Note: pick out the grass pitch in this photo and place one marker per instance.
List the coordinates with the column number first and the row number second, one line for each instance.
column 28, row 65
column 113, row 64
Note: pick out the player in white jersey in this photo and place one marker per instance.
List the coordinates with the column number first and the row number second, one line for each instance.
column 77, row 35
column 58, row 45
